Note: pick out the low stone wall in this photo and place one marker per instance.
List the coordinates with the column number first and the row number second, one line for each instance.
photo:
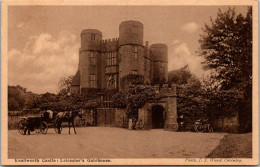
column 120, row 117
column 13, row 122
column 142, row 114
column 15, row 116
column 227, row 124
column 88, row 116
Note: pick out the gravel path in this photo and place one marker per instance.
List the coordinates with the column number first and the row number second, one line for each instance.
column 109, row 142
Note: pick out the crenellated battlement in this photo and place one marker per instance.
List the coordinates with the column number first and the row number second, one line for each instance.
column 109, row 44
column 110, row 40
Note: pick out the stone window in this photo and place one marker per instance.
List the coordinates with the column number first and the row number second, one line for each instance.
column 135, row 53
column 134, row 72
column 93, row 37
column 111, row 58
column 112, row 81
column 92, row 58
column 107, row 101
column 93, row 83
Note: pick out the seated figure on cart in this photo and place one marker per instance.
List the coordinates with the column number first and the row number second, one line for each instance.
column 48, row 115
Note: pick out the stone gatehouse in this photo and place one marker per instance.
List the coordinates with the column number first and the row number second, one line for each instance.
column 104, row 62
column 161, row 113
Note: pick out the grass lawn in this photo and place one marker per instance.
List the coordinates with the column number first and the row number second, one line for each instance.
column 234, row 146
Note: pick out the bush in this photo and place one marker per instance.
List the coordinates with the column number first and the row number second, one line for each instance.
column 133, row 97
column 131, row 79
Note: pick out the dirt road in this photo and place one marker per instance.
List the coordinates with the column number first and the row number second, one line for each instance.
column 105, row 142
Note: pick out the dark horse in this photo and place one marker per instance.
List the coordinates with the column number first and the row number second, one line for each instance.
column 67, row 116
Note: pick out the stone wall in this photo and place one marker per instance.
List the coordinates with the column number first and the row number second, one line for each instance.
column 127, row 61
column 146, row 115
column 171, row 113
column 120, row 117
column 147, row 65
column 159, row 56
column 88, row 115
column 227, row 124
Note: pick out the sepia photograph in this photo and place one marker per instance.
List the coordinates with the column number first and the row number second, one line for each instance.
column 149, row 83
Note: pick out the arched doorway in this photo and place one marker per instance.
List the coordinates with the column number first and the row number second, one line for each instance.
column 157, row 117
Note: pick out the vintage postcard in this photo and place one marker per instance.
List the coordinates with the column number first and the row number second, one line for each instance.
column 129, row 82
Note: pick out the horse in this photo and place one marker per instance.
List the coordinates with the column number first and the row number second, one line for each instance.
column 67, row 116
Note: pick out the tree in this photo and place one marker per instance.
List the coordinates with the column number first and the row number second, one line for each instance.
column 226, row 45
column 15, row 99
column 134, row 94
column 64, row 85
column 133, row 97
column 180, row 76
column 69, row 102
column 33, row 102
column 131, row 79
column 191, row 98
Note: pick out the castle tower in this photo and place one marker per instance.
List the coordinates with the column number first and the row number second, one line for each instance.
column 89, row 58
column 159, row 56
column 131, row 49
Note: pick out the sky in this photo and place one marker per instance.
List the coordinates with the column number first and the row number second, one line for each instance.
column 44, row 41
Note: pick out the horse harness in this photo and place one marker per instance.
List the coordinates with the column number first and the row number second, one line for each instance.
column 67, row 114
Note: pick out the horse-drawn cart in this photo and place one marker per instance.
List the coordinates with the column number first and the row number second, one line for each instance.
column 32, row 123
column 39, row 124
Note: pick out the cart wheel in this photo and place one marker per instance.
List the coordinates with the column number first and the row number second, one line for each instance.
column 56, row 128
column 198, row 128
column 21, row 126
column 37, row 130
column 141, row 127
column 44, row 127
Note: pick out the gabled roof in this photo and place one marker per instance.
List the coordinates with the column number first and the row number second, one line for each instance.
column 76, row 79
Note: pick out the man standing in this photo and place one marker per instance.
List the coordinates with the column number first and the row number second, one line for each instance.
column 180, row 121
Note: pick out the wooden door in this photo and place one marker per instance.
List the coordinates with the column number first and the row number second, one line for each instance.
column 101, row 117
column 110, row 117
